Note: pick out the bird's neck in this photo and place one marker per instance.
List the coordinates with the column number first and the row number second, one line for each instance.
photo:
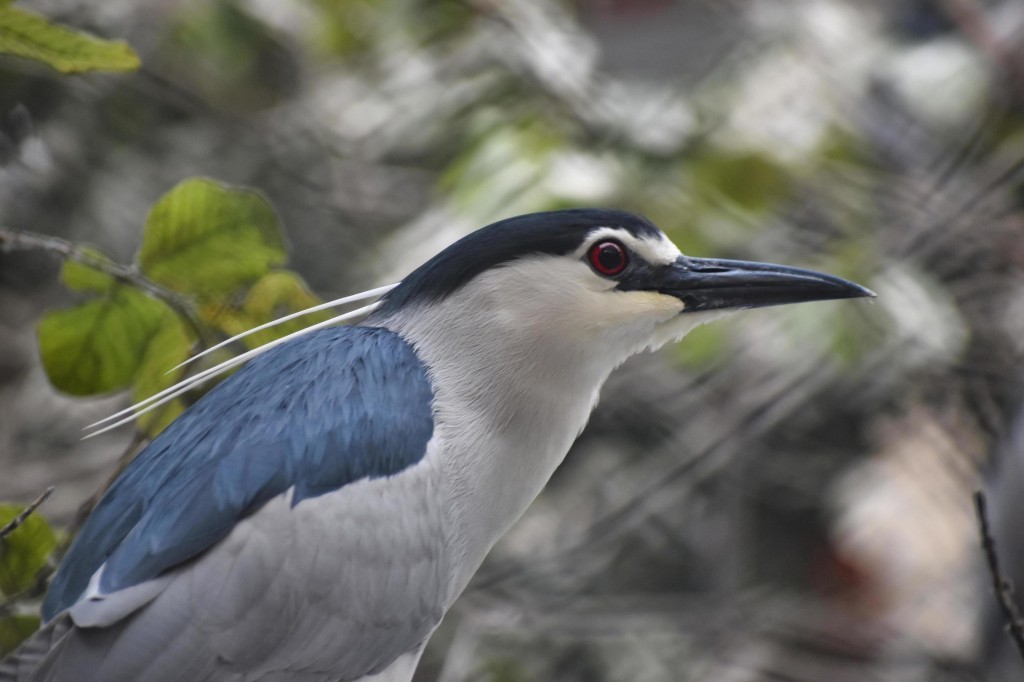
column 509, row 402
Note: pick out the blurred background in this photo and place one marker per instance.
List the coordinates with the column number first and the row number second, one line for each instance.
column 785, row 495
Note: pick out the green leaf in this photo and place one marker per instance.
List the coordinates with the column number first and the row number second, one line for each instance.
column 227, row 318
column 14, row 630
column 208, row 240
column 168, row 347
column 98, row 346
column 81, row 277
column 277, row 294
column 28, row 35
column 25, row 551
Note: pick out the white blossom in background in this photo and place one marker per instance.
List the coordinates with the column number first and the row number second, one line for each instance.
column 923, row 318
column 782, row 107
column 944, row 82
column 582, row 178
column 655, row 119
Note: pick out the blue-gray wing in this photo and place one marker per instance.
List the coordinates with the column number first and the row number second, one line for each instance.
column 324, row 411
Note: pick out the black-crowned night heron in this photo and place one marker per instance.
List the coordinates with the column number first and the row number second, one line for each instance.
column 315, row 515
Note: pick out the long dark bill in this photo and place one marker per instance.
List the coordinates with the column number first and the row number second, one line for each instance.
column 715, row 284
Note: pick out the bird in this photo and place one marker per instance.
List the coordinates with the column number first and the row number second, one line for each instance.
column 314, row 515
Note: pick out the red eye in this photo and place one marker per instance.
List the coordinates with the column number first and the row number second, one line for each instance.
column 608, row 258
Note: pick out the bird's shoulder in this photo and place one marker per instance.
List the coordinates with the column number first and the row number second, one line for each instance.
column 333, row 407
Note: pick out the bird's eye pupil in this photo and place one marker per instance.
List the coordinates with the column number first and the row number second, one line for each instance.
column 608, row 258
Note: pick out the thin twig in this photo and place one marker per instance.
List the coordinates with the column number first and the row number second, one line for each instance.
column 12, row 240
column 1002, row 585
column 25, row 513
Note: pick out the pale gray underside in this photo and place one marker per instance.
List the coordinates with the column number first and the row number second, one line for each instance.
column 336, row 588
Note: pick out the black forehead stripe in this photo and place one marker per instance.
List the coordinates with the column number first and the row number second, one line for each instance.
column 552, row 232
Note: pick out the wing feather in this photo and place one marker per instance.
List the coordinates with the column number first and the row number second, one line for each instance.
column 337, row 406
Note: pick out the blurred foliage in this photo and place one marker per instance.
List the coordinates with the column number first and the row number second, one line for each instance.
column 749, row 180
column 24, row 554
column 502, row 669
column 216, row 250
column 15, row 629
column 28, row 35
column 381, row 130
column 226, row 55
column 347, row 28
column 703, row 345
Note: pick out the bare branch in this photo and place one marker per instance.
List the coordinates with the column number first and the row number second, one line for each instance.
column 1002, row 585
column 25, row 513
column 15, row 240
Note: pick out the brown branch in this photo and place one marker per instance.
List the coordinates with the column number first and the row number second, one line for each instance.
column 17, row 240
column 1001, row 585
column 25, row 513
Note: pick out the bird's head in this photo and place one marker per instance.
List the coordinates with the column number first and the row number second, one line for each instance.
column 557, row 298
column 594, row 280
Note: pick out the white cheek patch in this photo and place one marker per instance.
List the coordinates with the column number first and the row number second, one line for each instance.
column 657, row 250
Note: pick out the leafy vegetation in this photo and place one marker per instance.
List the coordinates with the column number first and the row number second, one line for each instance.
column 25, row 550
column 28, row 35
column 209, row 266
column 216, row 252
column 380, row 130
column 26, row 544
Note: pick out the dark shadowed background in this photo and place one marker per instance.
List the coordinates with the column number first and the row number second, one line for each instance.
column 786, row 495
